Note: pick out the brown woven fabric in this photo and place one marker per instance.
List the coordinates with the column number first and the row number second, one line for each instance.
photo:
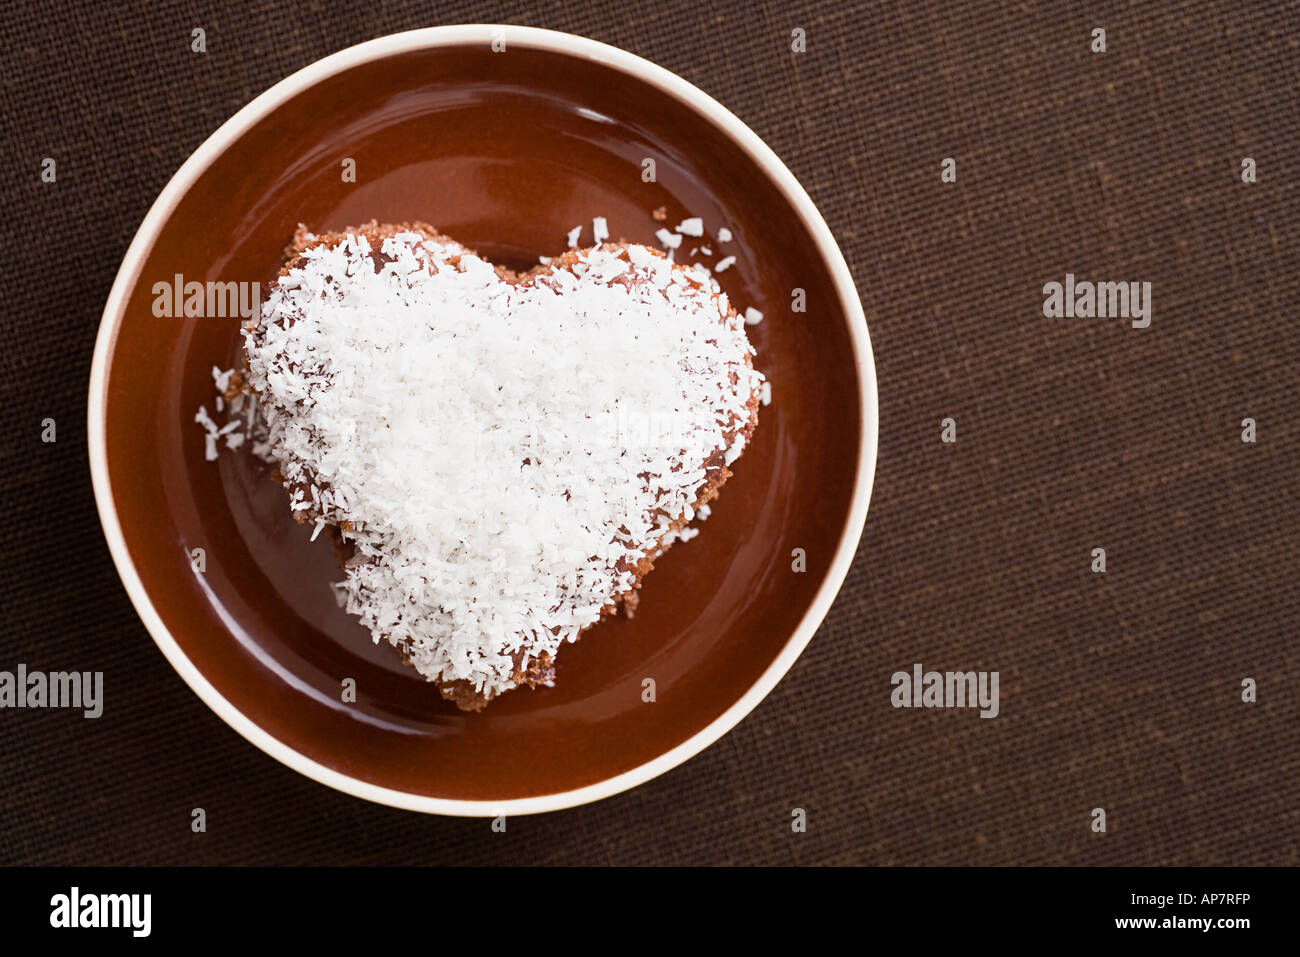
column 1119, row 691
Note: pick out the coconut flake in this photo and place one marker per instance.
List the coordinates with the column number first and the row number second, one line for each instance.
column 668, row 240
column 501, row 453
column 243, row 419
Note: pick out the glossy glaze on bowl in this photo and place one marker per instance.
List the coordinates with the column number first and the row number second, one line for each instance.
column 505, row 152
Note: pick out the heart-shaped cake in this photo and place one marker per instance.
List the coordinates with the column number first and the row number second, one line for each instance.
column 500, row 457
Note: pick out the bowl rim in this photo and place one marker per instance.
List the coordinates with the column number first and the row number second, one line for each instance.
column 535, row 38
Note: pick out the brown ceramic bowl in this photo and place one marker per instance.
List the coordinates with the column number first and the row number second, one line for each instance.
column 506, row 151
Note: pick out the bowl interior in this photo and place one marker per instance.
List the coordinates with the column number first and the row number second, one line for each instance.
column 505, row 152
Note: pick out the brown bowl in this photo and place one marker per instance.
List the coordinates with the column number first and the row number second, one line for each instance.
column 505, row 151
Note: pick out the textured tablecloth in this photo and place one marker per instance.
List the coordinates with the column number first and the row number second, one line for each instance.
column 1119, row 691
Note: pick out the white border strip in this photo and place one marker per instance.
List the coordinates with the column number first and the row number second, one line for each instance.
column 537, row 39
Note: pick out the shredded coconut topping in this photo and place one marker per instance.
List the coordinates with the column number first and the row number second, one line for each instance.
column 500, row 454
column 243, row 423
column 668, row 240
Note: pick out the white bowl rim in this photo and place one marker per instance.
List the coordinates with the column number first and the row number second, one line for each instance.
column 535, row 38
